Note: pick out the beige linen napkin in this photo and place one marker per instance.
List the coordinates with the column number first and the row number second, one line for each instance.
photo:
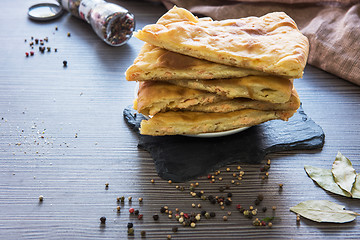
column 333, row 27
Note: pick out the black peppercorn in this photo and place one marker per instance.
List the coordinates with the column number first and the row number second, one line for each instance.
column 212, row 214
column 203, row 212
column 65, row 63
column 174, row 229
column 162, row 209
column 130, row 225
column 229, row 194
column 227, row 202
column 155, row 217
column 213, row 200
column 257, row 202
column 260, row 197
column 136, row 212
column 103, row 220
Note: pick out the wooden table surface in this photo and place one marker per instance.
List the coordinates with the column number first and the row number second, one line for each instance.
column 63, row 136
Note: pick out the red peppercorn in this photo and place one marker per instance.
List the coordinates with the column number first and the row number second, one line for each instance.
column 26, row 54
column 263, row 223
column 131, row 210
column 140, row 216
column 186, row 215
column 31, row 53
column 209, row 176
column 238, row 206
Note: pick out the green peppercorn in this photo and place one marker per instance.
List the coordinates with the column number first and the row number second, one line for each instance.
column 207, row 215
column 130, row 231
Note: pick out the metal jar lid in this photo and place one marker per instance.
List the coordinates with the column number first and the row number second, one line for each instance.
column 45, row 11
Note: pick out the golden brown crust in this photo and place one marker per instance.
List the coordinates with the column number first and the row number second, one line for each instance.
column 263, row 88
column 159, row 96
column 271, row 43
column 174, row 123
column 154, row 63
column 244, row 103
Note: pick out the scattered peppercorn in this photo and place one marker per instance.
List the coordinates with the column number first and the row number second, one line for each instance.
column 103, row 220
column 143, row 233
column 264, row 209
column 193, row 225
column 130, row 231
column 106, row 185
column 130, row 199
column 270, row 224
column 118, row 208
column 65, row 63
column 225, row 218
column 156, row 217
column 136, row 212
column 68, row 34
column 274, row 208
column 41, row 198
column 152, row 181
column 130, row 225
column 212, row 214
column 169, row 181
column 131, row 210
column 168, row 237
column 174, row 229
column 281, row 185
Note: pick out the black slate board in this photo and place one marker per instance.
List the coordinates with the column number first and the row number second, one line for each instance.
column 181, row 158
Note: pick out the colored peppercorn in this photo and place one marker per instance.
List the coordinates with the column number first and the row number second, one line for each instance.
column 41, row 198
column 131, row 210
column 130, row 231
column 143, row 233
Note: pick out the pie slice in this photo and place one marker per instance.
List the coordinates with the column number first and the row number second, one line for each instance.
column 244, row 103
column 271, row 43
column 159, row 96
column 181, row 123
column 264, row 88
column 154, row 63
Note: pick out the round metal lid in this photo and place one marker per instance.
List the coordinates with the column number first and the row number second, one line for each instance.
column 45, row 11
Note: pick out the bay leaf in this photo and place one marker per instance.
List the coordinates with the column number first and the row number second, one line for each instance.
column 324, row 211
column 356, row 187
column 343, row 172
column 324, row 178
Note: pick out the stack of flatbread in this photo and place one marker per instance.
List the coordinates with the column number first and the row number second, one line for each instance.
column 197, row 75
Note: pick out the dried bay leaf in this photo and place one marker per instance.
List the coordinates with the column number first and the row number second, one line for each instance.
column 324, row 178
column 324, row 211
column 343, row 172
column 356, row 187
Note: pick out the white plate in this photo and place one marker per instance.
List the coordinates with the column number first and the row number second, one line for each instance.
column 202, row 135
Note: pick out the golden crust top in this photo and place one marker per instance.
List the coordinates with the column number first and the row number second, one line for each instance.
column 271, row 43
